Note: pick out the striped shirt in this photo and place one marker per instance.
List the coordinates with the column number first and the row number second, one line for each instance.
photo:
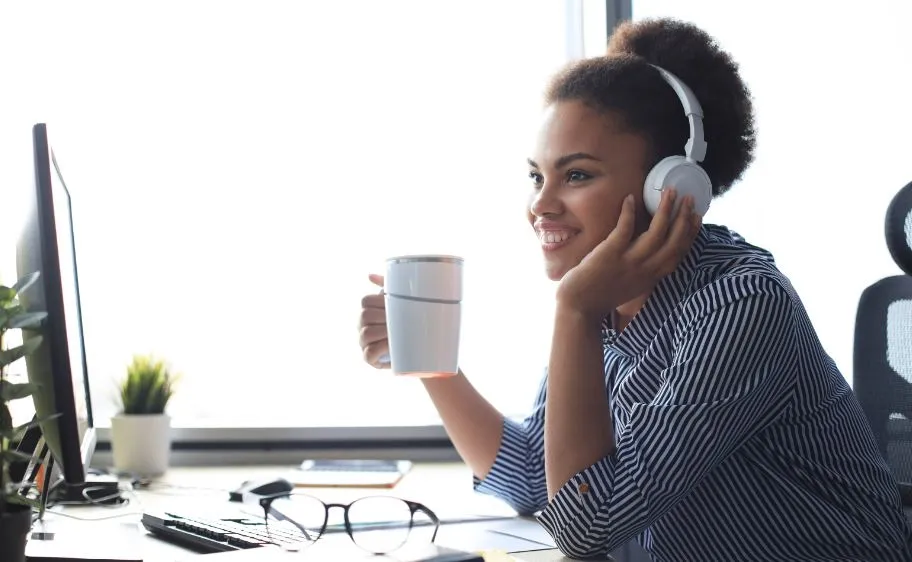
column 737, row 438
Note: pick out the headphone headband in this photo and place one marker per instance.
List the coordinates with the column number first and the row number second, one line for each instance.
column 695, row 149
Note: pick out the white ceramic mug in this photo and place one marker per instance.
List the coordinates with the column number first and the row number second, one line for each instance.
column 423, row 296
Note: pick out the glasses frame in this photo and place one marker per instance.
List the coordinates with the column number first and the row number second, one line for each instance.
column 414, row 507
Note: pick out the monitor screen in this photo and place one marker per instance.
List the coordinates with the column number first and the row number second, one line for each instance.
column 57, row 366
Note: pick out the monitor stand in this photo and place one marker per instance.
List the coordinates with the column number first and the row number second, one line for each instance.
column 96, row 490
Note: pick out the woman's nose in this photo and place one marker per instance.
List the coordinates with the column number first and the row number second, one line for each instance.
column 546, row 201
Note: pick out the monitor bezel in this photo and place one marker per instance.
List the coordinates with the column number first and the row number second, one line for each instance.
column 75, row 451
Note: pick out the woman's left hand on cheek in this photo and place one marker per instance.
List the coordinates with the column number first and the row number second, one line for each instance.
column 622, row 267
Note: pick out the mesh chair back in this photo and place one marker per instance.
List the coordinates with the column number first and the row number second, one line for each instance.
column 883, row 348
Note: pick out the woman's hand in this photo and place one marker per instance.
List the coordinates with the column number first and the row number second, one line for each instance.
column 621, row 268
column 372, row 334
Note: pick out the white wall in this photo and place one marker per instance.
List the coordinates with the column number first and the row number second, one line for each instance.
column 831, row 86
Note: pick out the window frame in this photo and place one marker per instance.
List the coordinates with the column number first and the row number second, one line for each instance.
column 588, row 23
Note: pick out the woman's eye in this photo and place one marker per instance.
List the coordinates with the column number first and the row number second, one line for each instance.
column 576, row 175
column 536, row 178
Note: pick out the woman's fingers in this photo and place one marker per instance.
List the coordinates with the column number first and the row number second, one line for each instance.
column 654, row 239
column 371, row 316
column 371, row 334
column 679, row 240
column 619, row 238
column 377, row 354
column 374, row 301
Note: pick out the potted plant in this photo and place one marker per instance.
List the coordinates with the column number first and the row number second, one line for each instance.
column 15, row 508
column 140, row 432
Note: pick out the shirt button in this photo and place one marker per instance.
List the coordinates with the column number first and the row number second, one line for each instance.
column 583, row 488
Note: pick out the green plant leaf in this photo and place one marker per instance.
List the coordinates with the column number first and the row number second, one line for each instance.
column 7, row 294
column 11, row 455
column 13, row 434
column 25, row 282
column 7, row 311
column 147, row 387
column 26, row 320
column 22, row 500
column 6, row 420
column 13, row 316
column 11, row 355
column 10, row 391
column 16, row 433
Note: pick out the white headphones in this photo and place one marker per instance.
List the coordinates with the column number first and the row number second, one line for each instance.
column 683, row 173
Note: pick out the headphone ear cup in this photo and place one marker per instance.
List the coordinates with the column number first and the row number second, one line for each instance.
column 686, row 177
column 655, row 182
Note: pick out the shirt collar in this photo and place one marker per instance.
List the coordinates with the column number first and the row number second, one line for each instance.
column 659, row 307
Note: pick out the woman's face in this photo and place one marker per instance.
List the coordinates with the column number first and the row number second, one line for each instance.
column 583, row 167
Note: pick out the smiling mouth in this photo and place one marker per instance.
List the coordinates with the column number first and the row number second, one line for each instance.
column 554, row 239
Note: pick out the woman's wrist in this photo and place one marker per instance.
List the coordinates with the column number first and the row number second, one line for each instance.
column 442, row 380
column 566, row 315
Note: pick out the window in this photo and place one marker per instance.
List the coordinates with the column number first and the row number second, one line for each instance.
column 237, row 169
column 830, row 94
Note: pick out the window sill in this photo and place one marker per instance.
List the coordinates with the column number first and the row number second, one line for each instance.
column 252, row 446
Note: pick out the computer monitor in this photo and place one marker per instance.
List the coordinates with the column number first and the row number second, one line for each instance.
column 58, row 365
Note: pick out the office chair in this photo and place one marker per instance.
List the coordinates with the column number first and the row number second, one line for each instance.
column 883, row 349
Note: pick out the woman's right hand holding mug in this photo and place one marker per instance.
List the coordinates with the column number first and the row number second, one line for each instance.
column 372, row 333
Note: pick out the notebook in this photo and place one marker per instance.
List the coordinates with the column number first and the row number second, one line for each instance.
column 348, row 473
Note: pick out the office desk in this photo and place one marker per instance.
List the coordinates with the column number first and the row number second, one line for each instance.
column 446, row 488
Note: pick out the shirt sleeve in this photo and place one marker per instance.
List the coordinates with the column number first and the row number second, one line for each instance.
column 518, row 474
column 729, row 377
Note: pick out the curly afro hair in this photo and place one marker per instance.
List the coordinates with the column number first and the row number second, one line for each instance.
column 624, row 84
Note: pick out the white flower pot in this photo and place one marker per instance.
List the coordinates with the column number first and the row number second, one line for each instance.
column 141, row 443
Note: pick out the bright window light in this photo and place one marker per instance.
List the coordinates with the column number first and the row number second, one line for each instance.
column 237, row 170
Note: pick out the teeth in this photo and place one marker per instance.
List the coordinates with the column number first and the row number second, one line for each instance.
column 552, row 237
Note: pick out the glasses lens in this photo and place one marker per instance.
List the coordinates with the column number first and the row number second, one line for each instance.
column 296, row 520
column 382, row 524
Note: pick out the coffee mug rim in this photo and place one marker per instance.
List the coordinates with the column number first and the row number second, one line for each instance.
column 420, row 258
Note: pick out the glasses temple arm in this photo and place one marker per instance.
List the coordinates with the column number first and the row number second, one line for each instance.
column 434, row 519
column 267, row 509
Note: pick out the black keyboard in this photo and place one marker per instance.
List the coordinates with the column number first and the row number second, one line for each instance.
column 212, row 534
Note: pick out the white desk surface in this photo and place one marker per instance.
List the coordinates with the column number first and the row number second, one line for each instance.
column 446, row 488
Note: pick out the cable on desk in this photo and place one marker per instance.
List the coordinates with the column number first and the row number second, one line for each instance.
column 115, row 516
column 149, row 486
column 123, row 488
column 126, row 488
column 103, row 501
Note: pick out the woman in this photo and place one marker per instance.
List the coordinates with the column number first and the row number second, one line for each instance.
column 690, row 403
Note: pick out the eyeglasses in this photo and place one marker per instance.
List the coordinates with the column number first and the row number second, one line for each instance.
column 378, row 524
